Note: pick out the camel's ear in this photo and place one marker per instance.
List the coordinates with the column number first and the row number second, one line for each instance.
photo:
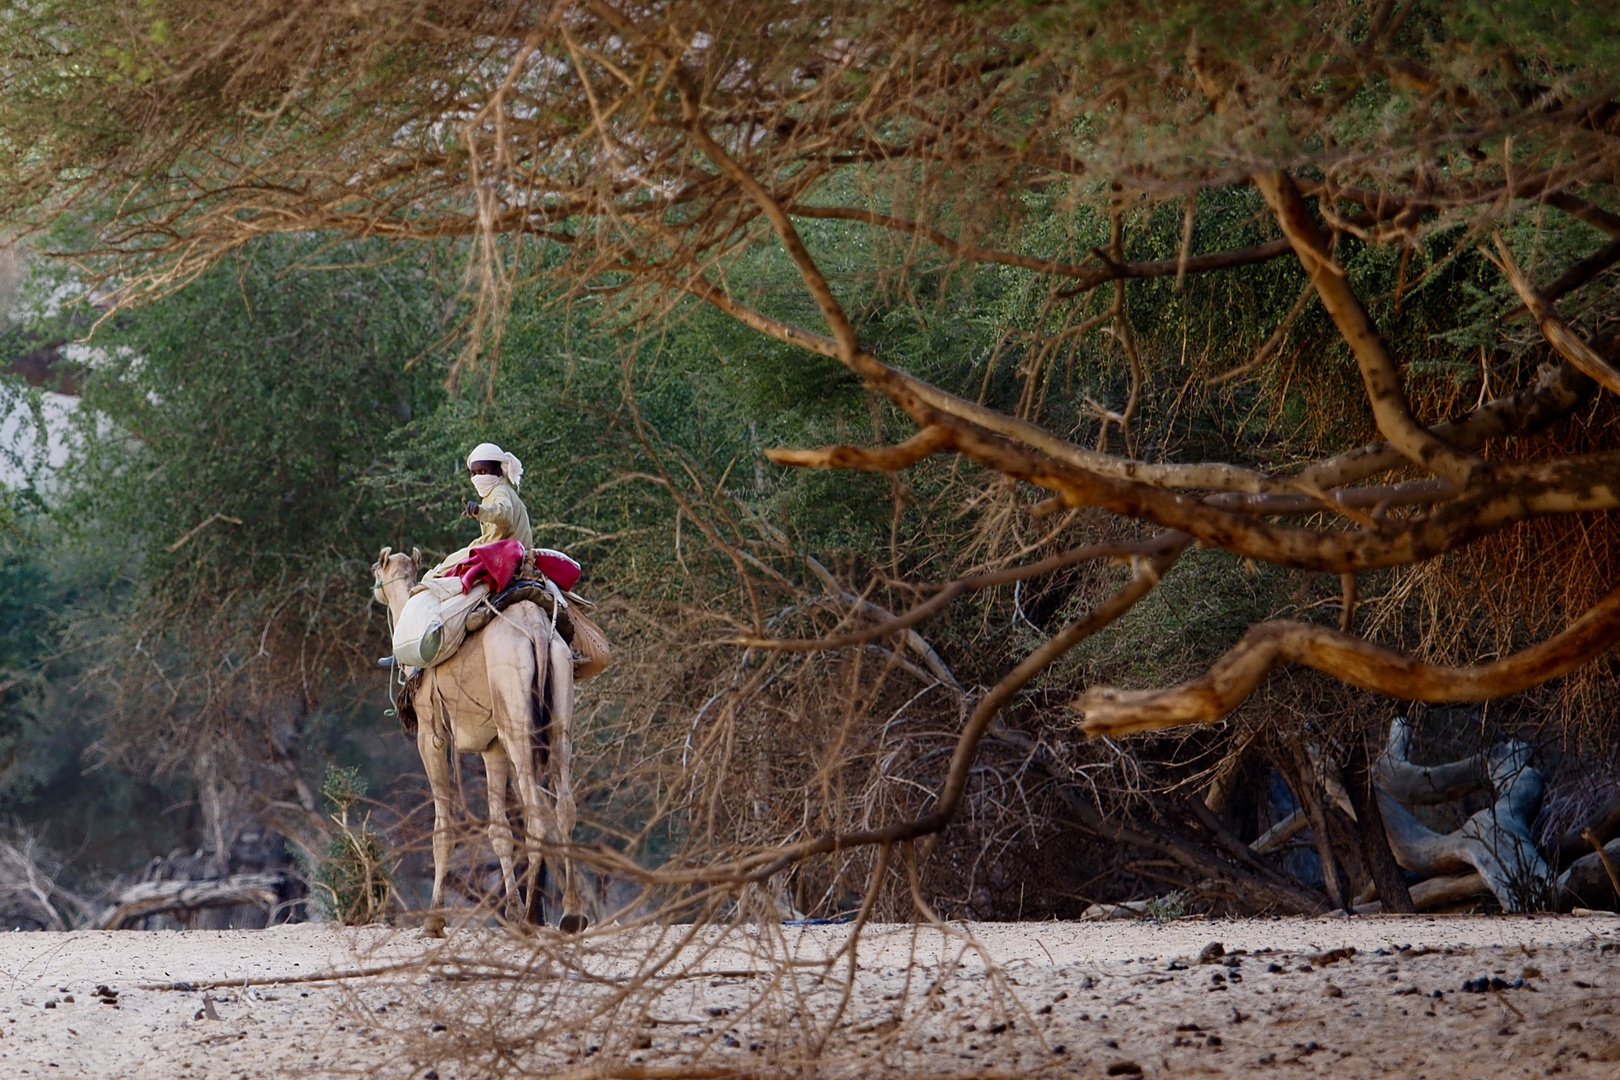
column 416, row 559
column 382, row 556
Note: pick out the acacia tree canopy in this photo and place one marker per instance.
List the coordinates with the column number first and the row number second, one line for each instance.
column 645, row 148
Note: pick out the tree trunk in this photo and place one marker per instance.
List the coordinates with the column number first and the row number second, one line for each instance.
column 1369, row 825
column 1303, row 773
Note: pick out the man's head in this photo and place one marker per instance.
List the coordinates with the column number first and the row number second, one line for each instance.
column 488, row 463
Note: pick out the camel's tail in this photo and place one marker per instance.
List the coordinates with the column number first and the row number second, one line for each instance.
column 541, row 702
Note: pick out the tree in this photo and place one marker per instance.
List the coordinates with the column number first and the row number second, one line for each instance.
column 639, row 152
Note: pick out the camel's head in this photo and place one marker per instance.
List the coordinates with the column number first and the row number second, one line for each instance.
column 392, row 566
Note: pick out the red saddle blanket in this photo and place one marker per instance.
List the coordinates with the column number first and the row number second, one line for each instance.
column 495, row 563
column 499, row 562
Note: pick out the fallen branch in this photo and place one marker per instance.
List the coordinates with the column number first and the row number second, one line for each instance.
column 1604, row 823
column 1426, row 785
column 161, row 897
column 1589, row 881
column 1437, row 892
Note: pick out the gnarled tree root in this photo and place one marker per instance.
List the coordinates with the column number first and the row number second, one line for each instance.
column 1495, row 842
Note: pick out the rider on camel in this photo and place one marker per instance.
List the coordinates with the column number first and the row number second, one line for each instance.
column 496, row 475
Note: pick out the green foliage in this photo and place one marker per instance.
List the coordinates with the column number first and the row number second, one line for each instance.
column 356, row 871
column 1167, row 908
column 343, row 787
column 221, row 447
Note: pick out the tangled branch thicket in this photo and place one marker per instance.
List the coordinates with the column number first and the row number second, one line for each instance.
column 1299, row 309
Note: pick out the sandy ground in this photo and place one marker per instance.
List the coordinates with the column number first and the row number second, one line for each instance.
column 1088, row 999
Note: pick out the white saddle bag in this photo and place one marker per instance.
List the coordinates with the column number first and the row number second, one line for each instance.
column 434, row 622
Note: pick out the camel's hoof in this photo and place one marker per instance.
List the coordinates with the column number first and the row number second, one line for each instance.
column 573, row 924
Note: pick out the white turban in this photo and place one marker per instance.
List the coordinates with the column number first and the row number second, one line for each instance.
column 511, row 467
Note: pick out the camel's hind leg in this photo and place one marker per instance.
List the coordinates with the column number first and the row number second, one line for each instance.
column 497, row 767
column 511, row 689
column 430, row 743
column 561, row 768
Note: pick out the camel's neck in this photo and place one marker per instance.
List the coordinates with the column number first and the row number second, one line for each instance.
column 396, row 589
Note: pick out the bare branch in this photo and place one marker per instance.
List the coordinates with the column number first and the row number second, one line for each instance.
column 941, row 600
column 928, row 441
column 1147, row 575
column 1089, row 276
column 1555, row 330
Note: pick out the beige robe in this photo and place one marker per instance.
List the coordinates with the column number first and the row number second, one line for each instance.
column 503, row 517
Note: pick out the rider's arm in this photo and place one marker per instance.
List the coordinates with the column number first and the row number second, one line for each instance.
column 497, row 510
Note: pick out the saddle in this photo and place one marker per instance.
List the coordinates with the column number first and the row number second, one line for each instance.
column 585, row 639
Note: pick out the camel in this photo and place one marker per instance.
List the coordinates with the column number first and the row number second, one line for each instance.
column 485, row 700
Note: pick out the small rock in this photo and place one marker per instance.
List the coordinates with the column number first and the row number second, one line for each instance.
column 1213, row 1040
column 1177, row 965
column 438, row 1027
column 1332, row 991
column 1275, row 968
column 1124, row 1068
column 431, row 1074
column 50, row 1003
column 1477, row 986
column 1331, row 956
column 1211, row 952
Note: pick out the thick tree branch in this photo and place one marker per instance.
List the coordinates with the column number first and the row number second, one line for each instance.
column 1233, row 678
column 1555, row 393
column 1379, row 372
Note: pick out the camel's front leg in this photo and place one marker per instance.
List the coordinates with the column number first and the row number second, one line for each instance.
column 497, row 766
column 430, row 743
column 562, row 776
